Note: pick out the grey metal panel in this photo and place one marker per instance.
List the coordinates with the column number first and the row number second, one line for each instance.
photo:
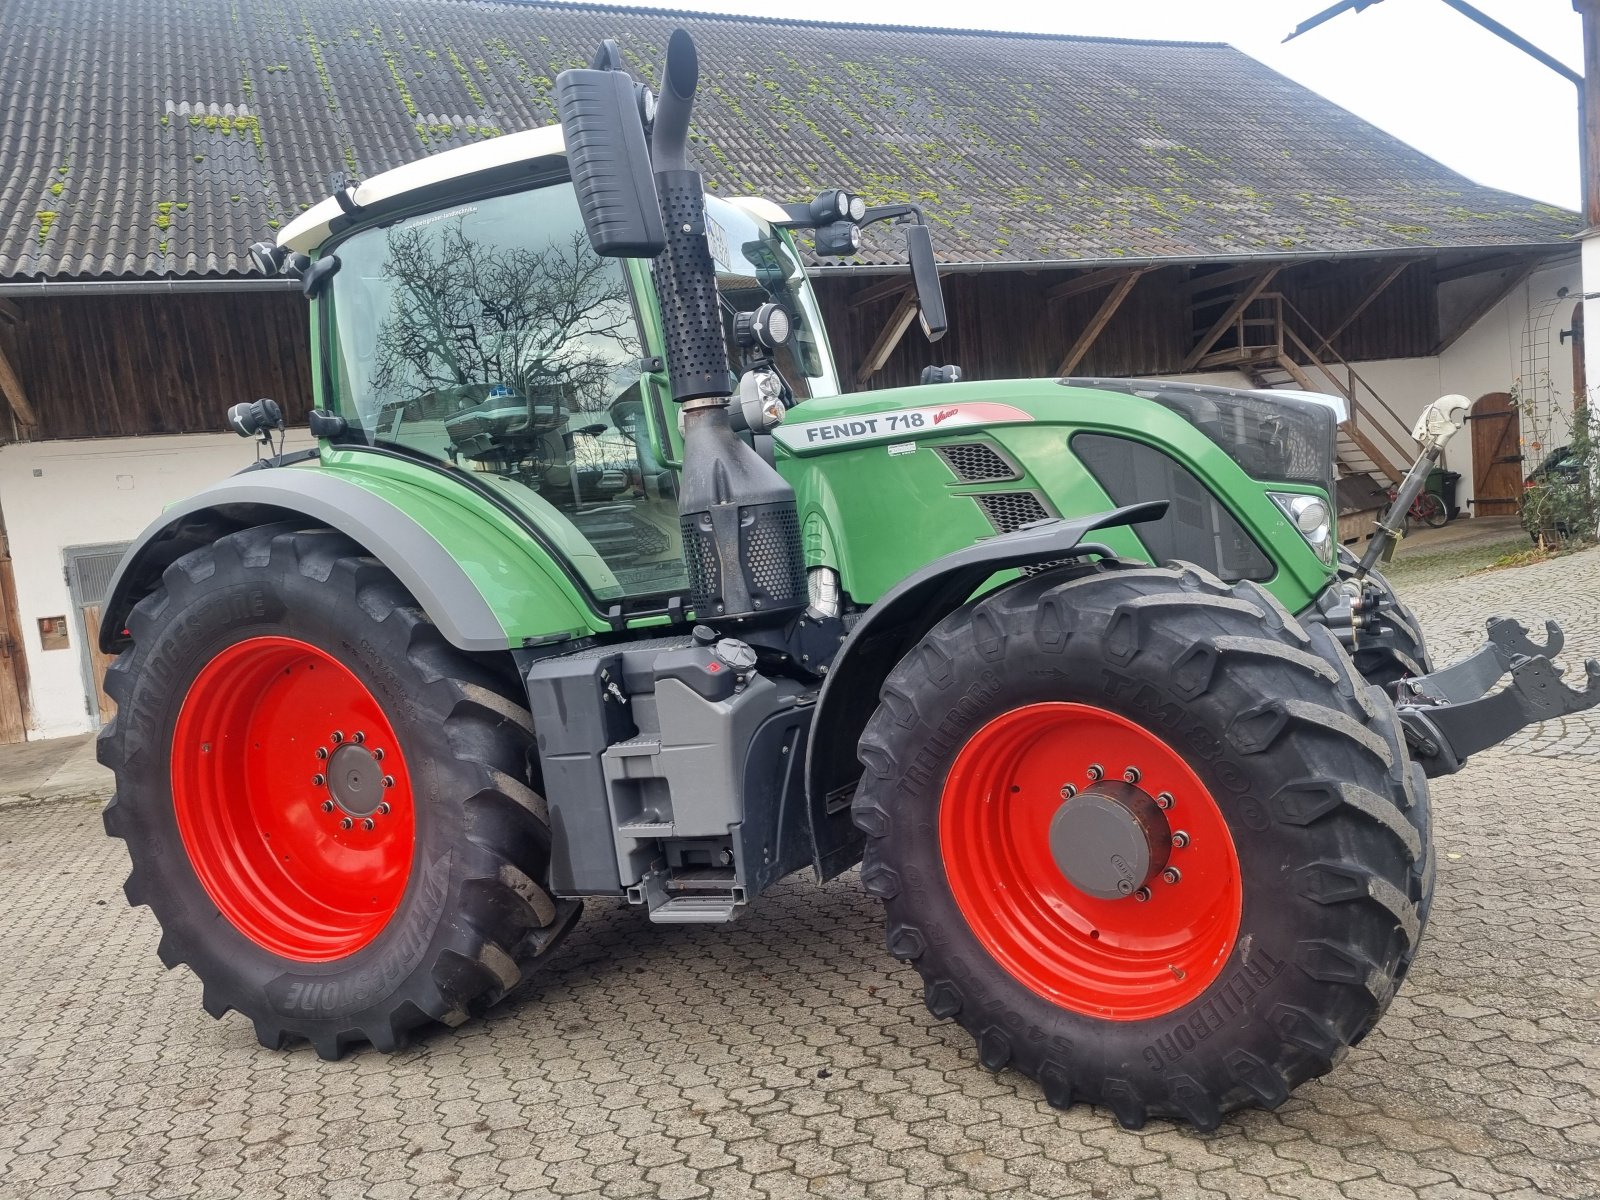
column 423, row 566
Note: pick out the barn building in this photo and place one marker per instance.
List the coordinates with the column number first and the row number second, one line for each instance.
column 1101, row 207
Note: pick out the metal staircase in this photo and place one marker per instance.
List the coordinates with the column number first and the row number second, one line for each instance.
column 1272, row 342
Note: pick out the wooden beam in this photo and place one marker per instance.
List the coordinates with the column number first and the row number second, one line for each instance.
column 1091, row 331
column 1240, row 302
column 1092, row 281
column 889, row 336
column 1295, row 370
column 1216, row 279
column 1370, row 449
column 1485, row 304
column 11, row 389
column 1589, row 108
column 10, row 312
column 1382, row 286
column 882, row 290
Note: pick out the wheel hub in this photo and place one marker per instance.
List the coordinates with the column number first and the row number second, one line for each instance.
column 355, row 780
column 1110, row 840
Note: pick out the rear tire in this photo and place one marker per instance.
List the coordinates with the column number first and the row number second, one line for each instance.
column 1432, row 510
column 333, row 931
column 1286, row 749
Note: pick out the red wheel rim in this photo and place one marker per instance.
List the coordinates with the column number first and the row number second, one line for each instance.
column 1122, row 959
column 292, row 799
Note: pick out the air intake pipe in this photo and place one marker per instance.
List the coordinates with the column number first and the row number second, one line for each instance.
column 741, row 532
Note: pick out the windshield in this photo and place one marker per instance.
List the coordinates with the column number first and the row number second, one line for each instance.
column 757, row 263
column 490, row 336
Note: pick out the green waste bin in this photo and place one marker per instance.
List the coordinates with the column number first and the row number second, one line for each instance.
column 1443, row 484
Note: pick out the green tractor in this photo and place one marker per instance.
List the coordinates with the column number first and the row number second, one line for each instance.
column 597, row 585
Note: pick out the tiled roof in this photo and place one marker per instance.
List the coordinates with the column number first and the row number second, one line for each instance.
column 159, row 137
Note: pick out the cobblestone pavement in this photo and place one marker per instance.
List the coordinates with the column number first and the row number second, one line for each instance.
column 790, row 1056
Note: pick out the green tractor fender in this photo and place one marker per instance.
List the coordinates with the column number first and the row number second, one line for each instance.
column 448, row 583
column 889, row 630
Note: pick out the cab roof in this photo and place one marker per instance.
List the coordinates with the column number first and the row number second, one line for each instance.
column 311, row 228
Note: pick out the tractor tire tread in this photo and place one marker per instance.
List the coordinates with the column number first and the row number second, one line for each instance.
column 486, row 944
column 1356, row 923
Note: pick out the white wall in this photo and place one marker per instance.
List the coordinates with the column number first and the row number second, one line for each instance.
column 70, row 493
column 1487, row 358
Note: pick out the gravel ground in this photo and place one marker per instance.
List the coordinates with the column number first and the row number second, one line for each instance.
column 787, row 1055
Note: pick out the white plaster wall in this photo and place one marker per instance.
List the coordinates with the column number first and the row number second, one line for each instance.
column 57, row 494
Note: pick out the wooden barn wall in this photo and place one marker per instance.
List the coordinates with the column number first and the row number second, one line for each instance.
column 1402, row 323
column 105, row 366
column 1001, row 327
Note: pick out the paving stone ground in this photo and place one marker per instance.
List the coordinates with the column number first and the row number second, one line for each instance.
column 789, row 1056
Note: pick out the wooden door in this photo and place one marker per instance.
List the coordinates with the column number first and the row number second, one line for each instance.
column 13, row 663
column 1496, row 456
column 98, row 662
column 89, row 571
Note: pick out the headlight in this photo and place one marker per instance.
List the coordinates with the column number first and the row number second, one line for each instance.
column 768, row 327
column 838, row 240
column 1311, row 516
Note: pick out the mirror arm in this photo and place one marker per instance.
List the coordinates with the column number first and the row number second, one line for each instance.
column 883, row 212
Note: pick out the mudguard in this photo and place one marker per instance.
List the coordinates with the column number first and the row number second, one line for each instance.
column 430, row 572
column 890, row 628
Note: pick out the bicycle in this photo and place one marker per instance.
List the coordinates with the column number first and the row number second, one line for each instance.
column 1427, row 508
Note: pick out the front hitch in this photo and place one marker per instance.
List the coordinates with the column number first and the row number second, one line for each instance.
column 1449, row 714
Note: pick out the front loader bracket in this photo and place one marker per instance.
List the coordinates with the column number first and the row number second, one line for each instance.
column 1449, row 715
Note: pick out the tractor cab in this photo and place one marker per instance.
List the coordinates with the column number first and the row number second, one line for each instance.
column 465, row 319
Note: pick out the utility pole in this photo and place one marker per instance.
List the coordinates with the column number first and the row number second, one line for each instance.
column 1589, row 135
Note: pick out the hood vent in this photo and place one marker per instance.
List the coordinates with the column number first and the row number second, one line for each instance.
column 977, row 462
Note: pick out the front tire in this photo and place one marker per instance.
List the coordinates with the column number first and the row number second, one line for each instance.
column 1296, row 901
column 1393, row 649
column 328, row 808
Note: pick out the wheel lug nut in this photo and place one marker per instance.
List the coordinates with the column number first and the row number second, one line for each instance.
column 327, row 806
column 1131, row 775
column 1068, row 791
column 336, row 737
column 358, row 737
column 1142, row 895
column 377, row 753
column 1171, row 874
column 1096, row 773
column 1180, row 839
column 388, row 781
column 345, row 823
column 318, row 780
column 383, row 809
column 367, row 824
column 1164, row 800
column 322, row 753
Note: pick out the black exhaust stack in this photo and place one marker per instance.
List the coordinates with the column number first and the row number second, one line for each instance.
column 741, row 533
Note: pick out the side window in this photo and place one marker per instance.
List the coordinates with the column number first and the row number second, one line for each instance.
column 490, row 336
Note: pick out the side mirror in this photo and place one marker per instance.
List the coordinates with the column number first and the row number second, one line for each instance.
column 925, row 274
column 603, row 127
